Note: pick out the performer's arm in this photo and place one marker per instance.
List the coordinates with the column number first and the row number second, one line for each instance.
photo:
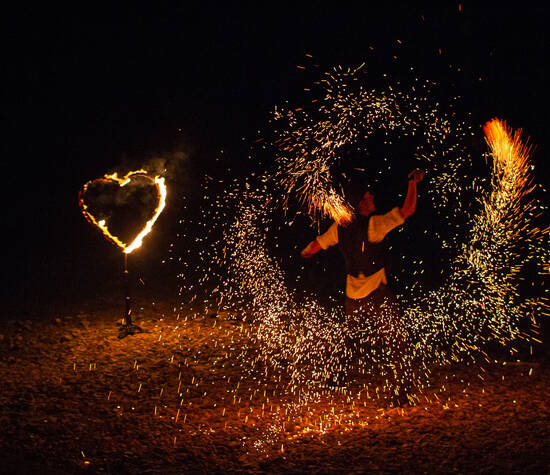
column 409, row 205
column 330, row 238
column 311, row 249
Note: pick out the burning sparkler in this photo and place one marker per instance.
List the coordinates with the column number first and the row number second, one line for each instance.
column 128, row 328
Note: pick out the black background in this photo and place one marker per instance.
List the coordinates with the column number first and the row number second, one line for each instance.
column 91, row 89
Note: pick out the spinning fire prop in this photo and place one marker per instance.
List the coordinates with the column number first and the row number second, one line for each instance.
column 128, row 328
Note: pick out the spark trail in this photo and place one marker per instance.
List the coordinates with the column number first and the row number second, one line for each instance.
column 479, row 302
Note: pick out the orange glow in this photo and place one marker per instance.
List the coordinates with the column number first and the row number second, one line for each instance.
column 333, row 206
column 511, row 159
column 127, row 248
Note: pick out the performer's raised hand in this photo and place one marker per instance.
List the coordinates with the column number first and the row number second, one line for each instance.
column 417, row 175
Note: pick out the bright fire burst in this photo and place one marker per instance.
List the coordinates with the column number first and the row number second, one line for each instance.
column 127, row 248
column 481, row 301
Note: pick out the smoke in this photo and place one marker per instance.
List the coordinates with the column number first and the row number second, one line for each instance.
column 173, row 165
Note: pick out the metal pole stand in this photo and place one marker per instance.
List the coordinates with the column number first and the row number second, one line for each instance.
column 127, row 327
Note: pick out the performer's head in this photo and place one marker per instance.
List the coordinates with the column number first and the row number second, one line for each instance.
column 361, row 197
column 366, row 205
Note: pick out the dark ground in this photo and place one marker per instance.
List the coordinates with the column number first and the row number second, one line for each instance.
column 76, row 399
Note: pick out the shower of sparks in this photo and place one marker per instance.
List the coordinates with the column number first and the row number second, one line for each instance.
column 315, row 352
column 309, row 145
column 127, row 248
column 481, row 302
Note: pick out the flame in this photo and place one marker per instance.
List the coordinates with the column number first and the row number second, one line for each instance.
column 511, row 159
column 101, row 224
column 331, row 204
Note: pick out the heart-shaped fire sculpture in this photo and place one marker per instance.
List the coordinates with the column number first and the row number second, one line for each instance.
column 93, row 203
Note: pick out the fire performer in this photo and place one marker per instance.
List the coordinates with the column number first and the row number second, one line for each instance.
column 361, row 241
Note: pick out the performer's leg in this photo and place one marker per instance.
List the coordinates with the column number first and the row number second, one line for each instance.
column 373, row 326
column 396, row 339
column 363, row 350
column 349, row 351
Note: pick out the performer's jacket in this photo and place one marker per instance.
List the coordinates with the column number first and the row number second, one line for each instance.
column 360, row 254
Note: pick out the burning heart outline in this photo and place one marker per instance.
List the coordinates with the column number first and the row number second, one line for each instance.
column 101, row 224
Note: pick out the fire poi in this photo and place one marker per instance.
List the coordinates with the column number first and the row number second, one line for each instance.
column 128, row 328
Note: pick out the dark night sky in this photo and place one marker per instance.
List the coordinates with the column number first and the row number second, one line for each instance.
column 87, row 87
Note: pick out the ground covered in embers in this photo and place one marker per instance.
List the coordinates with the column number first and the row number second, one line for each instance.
column 181, row 398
